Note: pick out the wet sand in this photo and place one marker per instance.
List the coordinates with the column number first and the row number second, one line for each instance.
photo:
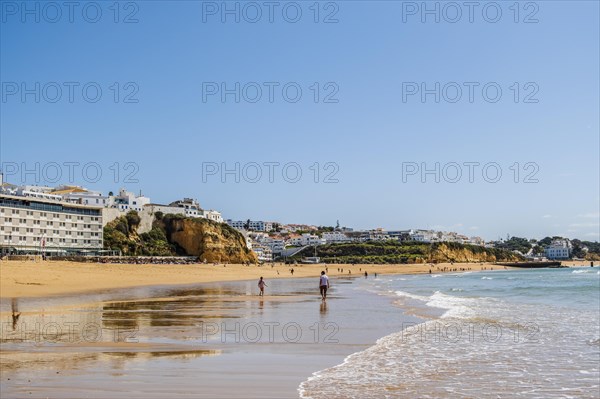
column 29, row 279
column 217, row 340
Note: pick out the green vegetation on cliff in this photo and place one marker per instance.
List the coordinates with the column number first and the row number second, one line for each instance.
column 121, row 235
column 378, row 252
column 586, row 249
column 176, row 235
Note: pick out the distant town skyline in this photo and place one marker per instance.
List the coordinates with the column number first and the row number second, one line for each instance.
column 588, row 219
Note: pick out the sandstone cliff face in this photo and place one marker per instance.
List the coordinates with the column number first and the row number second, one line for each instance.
column 213, row 242
column 445, row 254
column 172, row 235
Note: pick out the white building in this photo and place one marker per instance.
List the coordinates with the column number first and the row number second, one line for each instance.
column 559, row 249
column 83, row 196
column 399, row 235
column 425, row 236
column 40, row 192
column 263, row 252
column 292, row 228
column 252, row 225
column 378, row 234
column 277, row 246
column 32, row 224
column 335, row 237
column 33, row 188
column 191, row 206
column 127, row 201
column 306, row 239
column 213, row 215
column 38, row 195
column 193, row 209
column 452, row 237
column 477, row 241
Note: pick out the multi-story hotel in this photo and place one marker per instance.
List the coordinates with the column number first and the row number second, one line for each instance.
column 39, row 223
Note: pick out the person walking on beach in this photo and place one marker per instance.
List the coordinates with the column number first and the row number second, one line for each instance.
column 323, row 285
column 261, row 286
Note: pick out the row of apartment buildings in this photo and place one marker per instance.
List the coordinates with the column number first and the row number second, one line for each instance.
column 349, row 235
column 70, row 219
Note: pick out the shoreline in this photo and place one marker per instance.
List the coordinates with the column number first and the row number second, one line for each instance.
column 56, row 278
column 421, row 355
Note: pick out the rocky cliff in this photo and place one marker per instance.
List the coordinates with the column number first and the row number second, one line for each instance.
column 176, row 235
column 212, row 242
column 446, row 252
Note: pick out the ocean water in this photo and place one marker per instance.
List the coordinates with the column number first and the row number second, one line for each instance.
column 499, row 334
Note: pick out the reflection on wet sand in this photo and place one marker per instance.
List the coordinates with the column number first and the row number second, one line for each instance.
column 111, row 331
column 14, row 312
column 323, row 308
column 98, row 341
column 73, row 358
column 141, row 323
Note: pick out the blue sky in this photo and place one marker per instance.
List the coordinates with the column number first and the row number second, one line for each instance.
column 176, row 50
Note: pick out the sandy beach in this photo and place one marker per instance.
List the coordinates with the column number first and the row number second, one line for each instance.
column 45, row 278
column 73, row 329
